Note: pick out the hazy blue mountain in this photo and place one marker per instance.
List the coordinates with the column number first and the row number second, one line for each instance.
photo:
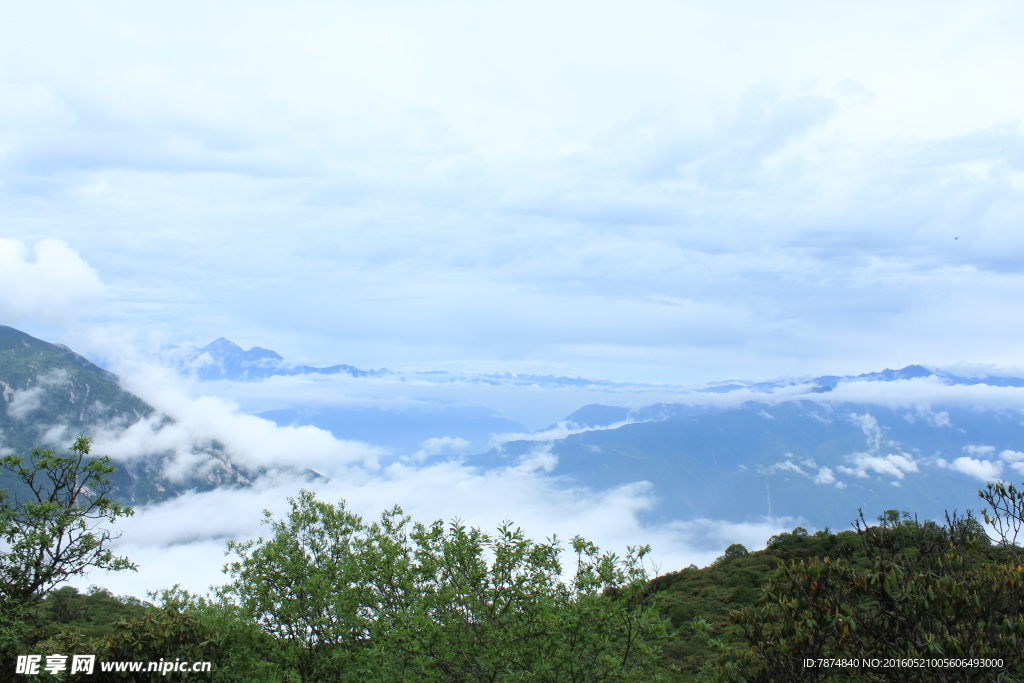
column 544, row 380
column 49, row 394
column 829, row 382
column 224, row 359
column 802, row 459
column 599, row 416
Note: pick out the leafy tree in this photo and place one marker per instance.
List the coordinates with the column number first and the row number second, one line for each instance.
column 52, row 528
column 1007, row 514
column 400, row 601
column 910, row 590
column 733, row 552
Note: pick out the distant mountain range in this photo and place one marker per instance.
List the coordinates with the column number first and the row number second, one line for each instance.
column 808, row 457
column 829, row 382
column 222, row 359
column 805, row 459
column 800, row 454
column 789, row 448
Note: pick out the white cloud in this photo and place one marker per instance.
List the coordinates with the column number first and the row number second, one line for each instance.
column 983, row 470
column 553, row 203
column 539, row 459
column 56, row 436
column 869, row 425
column 199, row 420
column 249, row 441
column 896, row 465
column 783, row 466
column 54, row 287
column 190, row 531
column 935, row 419
column 825, row 476
column 1011, row 456
column 985, row 451
column 439, row 444
column 22, row 402
column 560, row 431
column 893, row 465
column 921, row 393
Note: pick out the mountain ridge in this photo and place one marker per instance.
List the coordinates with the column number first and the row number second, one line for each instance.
column 49, row 394
column 797, row 458
column 223, row 359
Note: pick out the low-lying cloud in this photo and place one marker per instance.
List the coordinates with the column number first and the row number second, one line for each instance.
column 190, row 531
column 559, row 431
column 435, row 483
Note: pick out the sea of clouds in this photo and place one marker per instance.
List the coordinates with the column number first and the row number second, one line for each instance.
column 191, row 531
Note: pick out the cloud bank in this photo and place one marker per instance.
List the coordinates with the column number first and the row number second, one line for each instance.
column 656, row 191
column 190, row 531
column 53, row 285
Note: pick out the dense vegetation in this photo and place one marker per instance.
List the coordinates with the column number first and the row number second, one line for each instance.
column 329, row 596
column 901, row 592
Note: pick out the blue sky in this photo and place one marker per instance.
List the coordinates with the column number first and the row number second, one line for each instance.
column 652, row 191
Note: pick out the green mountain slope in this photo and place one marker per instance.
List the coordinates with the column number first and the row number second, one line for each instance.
column 49, row 394
column 49, row 389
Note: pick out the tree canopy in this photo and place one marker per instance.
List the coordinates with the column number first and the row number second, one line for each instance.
column 395, row 600
column 53, row 527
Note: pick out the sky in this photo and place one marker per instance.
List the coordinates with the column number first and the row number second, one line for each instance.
column 649, row 191
column 662, row 192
